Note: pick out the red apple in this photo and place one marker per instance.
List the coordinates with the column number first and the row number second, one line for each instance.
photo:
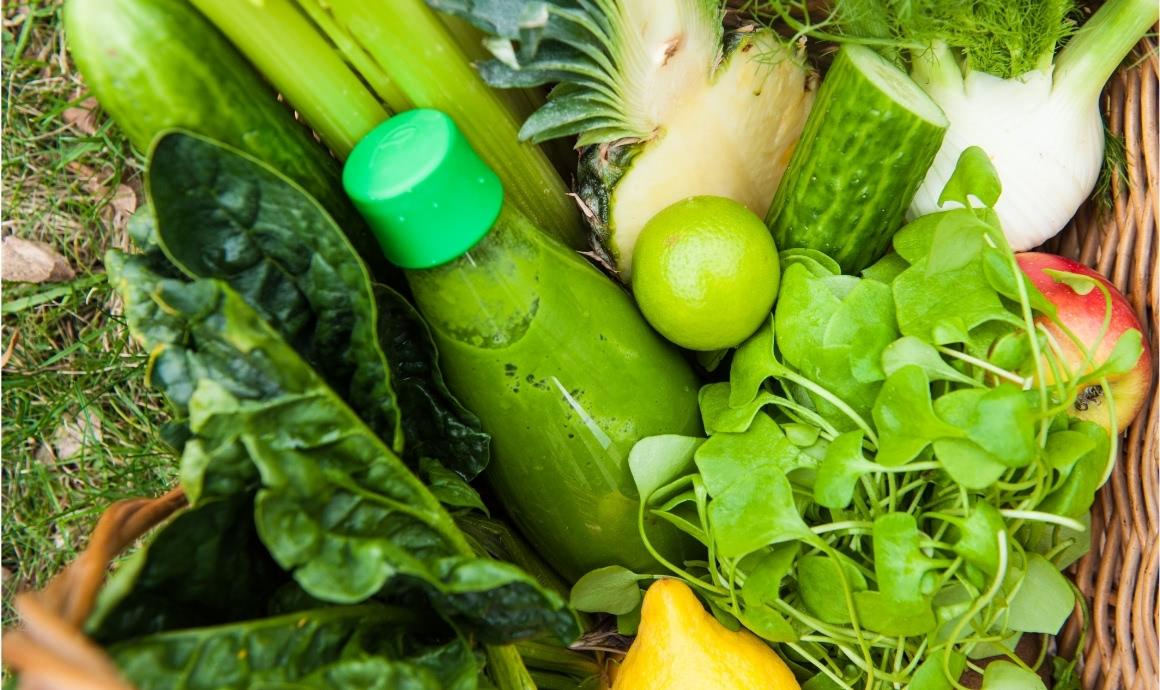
column 1084, row 315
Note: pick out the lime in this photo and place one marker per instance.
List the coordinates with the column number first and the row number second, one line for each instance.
column 705, row 272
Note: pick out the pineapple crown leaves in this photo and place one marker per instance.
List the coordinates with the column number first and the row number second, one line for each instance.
column 603, row 55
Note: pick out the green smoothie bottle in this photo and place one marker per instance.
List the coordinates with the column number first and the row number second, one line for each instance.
column 554, row 358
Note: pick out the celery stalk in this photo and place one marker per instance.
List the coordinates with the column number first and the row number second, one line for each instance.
column 363, row 64
column 302, row 65
column 422, row 57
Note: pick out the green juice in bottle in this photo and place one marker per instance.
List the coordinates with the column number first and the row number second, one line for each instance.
column 553, row 357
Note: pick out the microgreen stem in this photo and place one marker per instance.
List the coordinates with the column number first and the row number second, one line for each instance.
column 862, row 526
column 817, row 663
column 836, row 402
column 986, row 366
column 1036, row 516
column 687, row 576
column 1029, row 325
column 976, row 607
column 1113, row 436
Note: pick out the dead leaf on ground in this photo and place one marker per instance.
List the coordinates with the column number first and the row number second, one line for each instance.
column 12, row 340
column 82, row 117
column 70, row 438
column 123, row 202
column 123, row 205
column 29, row 261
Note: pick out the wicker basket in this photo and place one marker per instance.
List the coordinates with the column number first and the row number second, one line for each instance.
column 1119, row 577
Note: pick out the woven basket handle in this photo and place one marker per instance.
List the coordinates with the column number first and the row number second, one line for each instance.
column 49, row 651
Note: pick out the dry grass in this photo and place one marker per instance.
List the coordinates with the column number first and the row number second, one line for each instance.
column 79, row 427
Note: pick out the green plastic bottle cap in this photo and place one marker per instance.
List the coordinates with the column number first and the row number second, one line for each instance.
column 424, row 191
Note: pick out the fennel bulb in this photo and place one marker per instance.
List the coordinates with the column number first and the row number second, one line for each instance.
column 1047, row 148
column 1041, row 129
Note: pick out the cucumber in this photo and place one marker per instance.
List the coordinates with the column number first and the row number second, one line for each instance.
column 864, row 151
column 159, row 64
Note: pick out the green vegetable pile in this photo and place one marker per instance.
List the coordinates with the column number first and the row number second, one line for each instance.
column 891, row 482
column 308, row 405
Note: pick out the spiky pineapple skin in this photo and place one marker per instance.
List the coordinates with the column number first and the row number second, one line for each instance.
column 600, row 170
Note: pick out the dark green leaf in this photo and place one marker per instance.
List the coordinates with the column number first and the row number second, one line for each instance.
column 335, row 506
column 204, row 567
column 450, row 488
column 435, row 423
column 299, row 650
column 225, row 215
column 222, row 214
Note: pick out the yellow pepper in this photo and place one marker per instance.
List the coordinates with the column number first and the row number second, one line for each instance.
column 680, row 646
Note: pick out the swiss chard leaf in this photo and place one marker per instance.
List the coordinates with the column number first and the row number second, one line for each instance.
column 206, row 566
column 308, row 649
column 335, row 505
column 435, row 423
column 222, row 214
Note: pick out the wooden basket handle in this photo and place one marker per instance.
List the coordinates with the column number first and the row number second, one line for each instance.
column 49, row 650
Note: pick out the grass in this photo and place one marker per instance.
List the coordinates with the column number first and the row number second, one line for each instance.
column 79, row 425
